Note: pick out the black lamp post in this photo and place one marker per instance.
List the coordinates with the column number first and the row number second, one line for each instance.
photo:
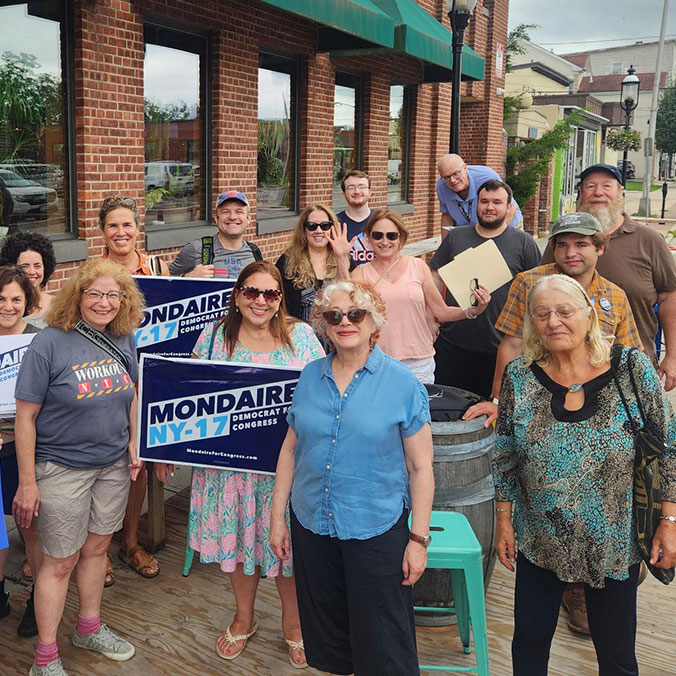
column 628, row 103
column 459, row 12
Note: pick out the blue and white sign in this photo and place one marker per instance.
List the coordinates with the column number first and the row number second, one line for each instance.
column 12, row 350
column 177, row 309
column 213, row 414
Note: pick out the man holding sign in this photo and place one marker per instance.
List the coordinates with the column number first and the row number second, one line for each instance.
column 466, row 350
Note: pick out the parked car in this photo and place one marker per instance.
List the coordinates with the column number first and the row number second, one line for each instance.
column 31, row 200
column 47, row 175
column 177, row 177
column 631, row 169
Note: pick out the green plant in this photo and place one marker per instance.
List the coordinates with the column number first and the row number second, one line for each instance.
column 154, row 197
column 623, row 139
column 665, row 127
column 511, row 105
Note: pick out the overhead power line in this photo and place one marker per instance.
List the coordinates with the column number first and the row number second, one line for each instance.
column 585, row 42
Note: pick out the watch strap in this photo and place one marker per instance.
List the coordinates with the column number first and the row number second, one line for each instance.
column 424, row 541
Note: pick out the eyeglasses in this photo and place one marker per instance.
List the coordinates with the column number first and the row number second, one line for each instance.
column 454, row 176
column 96, row 295
column 541, row 313
column 473, row 286
column 312, row 226
column 377, row 235
column 352, row 188
column 354, row 316
column 252, row 293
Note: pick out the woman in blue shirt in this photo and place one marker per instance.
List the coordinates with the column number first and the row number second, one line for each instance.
column 357, row 458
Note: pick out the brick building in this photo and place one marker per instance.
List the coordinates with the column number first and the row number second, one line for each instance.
column 172, row 101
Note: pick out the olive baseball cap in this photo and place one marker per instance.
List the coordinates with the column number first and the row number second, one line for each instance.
column 577, row 222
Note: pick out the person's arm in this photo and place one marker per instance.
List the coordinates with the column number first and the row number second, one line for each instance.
column 341, row 246
column 418, row 453
column 446, row 313
column 438, row 282
column 446, row 222
column 667, row 313
column 184, row 264
column 164, row 268
column 27, row 499
column 279, row 533
column 135, row 465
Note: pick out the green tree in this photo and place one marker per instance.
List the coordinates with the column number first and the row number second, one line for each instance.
column 665, row 127
column 515, row 39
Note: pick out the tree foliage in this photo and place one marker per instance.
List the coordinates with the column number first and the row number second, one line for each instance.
column 528, row 163
column 515, row 37
column 665, row 128
column 166, row 112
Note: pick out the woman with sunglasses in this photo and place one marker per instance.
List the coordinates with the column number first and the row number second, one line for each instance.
column 413, row 301
column 229, row 518
column 352, row 480
column 318, row 253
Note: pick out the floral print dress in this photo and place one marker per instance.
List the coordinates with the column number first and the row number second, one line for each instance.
column 229, row 519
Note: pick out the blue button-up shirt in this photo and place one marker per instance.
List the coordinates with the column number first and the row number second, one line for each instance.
column 350, row 478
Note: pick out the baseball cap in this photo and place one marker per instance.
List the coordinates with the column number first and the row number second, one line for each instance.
column 578, row 222
column 608, row 168
column 231, row 195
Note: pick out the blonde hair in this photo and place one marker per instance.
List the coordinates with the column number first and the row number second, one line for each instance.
column 598, row 345
column 298, row 267
column 364, row 297
column 64, row 312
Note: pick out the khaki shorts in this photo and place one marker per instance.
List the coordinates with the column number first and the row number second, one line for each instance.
column 75, row 502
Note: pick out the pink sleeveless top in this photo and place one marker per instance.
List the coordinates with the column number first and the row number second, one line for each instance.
column 407, row 334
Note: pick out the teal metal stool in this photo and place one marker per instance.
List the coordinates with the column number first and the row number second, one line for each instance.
column 454, row 546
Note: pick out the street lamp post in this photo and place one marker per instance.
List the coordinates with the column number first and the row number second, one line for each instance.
column 459, row 12
column 628, row 102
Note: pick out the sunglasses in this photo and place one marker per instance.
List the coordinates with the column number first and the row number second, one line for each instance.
column 252, row 293
column 377, row 235
column 119, row 201
column 312, row 226
column 334, row 317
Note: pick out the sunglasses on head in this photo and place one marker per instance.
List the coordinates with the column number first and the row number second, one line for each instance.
column 312, row 226
column 377, row 235
column 334, row 317
column 252, row 293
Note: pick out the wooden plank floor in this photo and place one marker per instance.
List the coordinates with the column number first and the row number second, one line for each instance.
column 173, row 622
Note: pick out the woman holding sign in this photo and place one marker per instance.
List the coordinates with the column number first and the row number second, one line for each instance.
column 356, row 460
column 229, row 519
column 413, row 301
column 76, row 449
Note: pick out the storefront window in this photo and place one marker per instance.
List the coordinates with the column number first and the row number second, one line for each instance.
column 397, row 151
column 277, row 135
column 34, row 150
column 174, row 100
column 346, row 131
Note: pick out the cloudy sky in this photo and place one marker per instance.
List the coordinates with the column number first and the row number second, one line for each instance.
column 597, row 24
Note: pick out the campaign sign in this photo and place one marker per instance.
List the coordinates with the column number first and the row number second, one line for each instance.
column 12, row 350
column 213, row 414
column 177, row 309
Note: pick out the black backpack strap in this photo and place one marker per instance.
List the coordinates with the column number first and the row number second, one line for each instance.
column 258, row 256
column 207, row 250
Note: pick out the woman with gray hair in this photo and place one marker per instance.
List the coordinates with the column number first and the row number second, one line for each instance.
column 356, row 459
column 564, row 463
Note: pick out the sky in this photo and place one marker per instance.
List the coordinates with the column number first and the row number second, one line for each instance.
column 595, row 23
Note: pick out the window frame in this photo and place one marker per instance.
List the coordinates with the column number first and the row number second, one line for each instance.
column 405, row 206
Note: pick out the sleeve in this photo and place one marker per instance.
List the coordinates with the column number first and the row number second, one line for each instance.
column 626, row 332
column 184, row 261
column 548, row 255
column 664, row 268
column 133, row 362
column 306, row 343
column 291, row 294
column 442, row 203
column 201, row 349
column 443, row 254
column 299, row 398
column 418, row 410
column 532, row 254
column 504, row 461
column 35, row 372
column 510, row 320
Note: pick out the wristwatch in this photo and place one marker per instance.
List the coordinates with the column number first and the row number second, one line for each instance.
column 424, row 541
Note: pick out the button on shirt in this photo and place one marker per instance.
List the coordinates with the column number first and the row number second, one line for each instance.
column 350, row 478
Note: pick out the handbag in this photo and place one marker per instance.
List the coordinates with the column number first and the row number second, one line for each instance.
column 647, row 504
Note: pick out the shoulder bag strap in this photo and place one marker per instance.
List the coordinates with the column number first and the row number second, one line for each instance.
column 207, row 250
column 102, row 341
column 633, row 385
column 634, row 428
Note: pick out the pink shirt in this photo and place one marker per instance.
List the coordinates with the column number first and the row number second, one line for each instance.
column 408, row 332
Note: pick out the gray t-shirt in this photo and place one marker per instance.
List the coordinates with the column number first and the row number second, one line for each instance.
column 520, row 253
column 229, row 262
column 85, row 396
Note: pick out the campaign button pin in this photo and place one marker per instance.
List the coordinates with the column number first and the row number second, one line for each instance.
column 605, row 304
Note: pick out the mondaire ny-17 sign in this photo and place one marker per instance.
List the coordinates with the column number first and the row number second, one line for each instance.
column 177, row 309
column 12, row 350
column 213, row 414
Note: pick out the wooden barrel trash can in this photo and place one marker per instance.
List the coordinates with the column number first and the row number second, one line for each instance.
column 463, row 483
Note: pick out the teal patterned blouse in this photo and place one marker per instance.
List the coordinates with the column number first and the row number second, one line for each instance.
column 570, row 474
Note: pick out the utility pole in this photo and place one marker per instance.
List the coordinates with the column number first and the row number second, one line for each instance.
column 649, row 142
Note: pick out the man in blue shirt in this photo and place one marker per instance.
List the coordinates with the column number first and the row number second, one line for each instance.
column 457, row 191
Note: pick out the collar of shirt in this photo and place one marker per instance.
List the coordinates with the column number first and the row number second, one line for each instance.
column 372, row 363
column 143, row 264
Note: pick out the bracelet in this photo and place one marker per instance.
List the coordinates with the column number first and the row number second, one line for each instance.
column 469, row 315
column 505, row 511
column 668, row 518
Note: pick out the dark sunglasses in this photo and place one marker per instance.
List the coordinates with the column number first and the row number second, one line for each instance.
column 312, row 226
column 252, row 293
column 377, row 235
column 119, row 201
column 334, row 317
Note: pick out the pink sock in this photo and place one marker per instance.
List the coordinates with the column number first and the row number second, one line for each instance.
column 46, row 653
column 87, row 625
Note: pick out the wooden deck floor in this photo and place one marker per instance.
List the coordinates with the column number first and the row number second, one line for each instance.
column 173, row 622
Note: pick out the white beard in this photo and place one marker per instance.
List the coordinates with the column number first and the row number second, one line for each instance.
column 606, row 214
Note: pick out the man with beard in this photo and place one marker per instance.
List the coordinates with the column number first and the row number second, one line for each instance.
column 638, row 260
column 466, row 350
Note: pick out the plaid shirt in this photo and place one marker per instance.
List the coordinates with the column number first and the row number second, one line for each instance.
column 612, row 306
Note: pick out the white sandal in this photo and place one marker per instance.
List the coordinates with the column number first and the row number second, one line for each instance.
column 231, row 640
column 296, row 645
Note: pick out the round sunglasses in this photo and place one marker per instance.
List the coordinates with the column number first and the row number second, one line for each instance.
column 252, row 293
column 378, row 235
column 334, row 317
column 312, row 226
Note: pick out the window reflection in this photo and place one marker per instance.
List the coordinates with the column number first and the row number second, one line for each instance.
column 346, row 131
column 33, row 142
column 398, row 145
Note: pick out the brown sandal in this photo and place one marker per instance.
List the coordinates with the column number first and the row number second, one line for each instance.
column 110, row 573
column 144, row 567
column 26, row 572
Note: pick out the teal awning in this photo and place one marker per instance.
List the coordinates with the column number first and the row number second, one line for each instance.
column 418, row 34
column 345, row 24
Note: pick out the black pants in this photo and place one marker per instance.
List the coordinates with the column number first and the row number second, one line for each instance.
column 355, row 614
column 466, row 369
column 611, row 613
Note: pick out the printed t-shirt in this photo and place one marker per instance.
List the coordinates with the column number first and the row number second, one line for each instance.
column 230, row 263
column 361, row 251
